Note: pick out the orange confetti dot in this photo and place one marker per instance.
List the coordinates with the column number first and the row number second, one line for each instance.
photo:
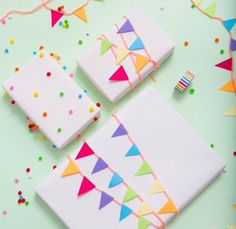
column 44, row 114
column 17, row 69
column 41, row 47
column 186, row 43
column 51, row 54
column 216, row 40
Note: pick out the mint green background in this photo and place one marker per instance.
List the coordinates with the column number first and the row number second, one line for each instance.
column 204, row 110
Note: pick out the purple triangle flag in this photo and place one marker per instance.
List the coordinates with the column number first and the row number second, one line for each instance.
column 126, row 27
column 120, row 131
column 100, row 165
column 105, row 200
column 233, row 45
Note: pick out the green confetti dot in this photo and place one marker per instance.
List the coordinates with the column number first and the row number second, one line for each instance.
column 212, row 146
column 61, row 94
column 40, row 158
column 222, row 51
column 66, row 21
column 191, row 91
column 80, row 42
column 192, row 6
column 27, row 203
column 59, row 130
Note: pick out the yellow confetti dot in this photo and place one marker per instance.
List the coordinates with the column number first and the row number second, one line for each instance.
column 42, row 137
column 41, row 54
column 11, row 41
column 36, row 94
column 91, row 109
column 5, row 94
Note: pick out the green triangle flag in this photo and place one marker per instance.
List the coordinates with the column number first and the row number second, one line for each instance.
column 129, row 195
column 105, row 45
column 143, row 223
column 210, row 10
column 144, row 169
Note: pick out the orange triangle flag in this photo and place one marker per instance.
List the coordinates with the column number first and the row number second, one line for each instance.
column 229, row 86
column 141, row 61
column 121, row 53
column 169, row 207
column 70, row 169
column 81, row 13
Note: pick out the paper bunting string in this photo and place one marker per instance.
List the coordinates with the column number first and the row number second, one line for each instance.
column 115, row 180
column 120, row 131
column 233, row 45
column 119, row 75
column 105, row 45
column 143, row 223
column 121, row 53
column 129, row 195
column 229, row 24
column 156, row 188
column 133, row 151
column 141, row 61
column 229, row 86
column 137, row 44
column 144, row 209
column 231, row 111
column 55, row 17
column 197, row 2
column 226, row 64
column 81, row 13
column 124, row 212
column 71, row 169
column 126, row 27
column 100, row 165
column 84, row 151
column 169, row 207
column 144, row 169
column 105, row 200
column 210, row 10
column 85, row 186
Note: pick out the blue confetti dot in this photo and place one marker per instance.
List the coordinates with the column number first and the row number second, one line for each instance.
column 85, row 91
column 60, row 23
column 79, row 96
column 64, row 67
column 34, row 52
column 6, row 51
column 54, row 146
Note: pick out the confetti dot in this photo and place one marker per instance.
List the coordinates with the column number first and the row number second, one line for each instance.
column 54, row 166
column 234, row 205
column 49, row 74
column 192, row 6
column 41, row 54
column 186, row 43
column 78, row 136
column 70, row 112
column 44, row 114
column 95, row 119
column 80, row 96
column 216, row 40
column 4, row 213
column 27, row 203
column 36, row 94
column 61, row 94
column 234, row 153
column 40, row 158
column 13, row 102
column 212, row 146
column 222, row 51
column 80, row 42
column 85, row 91
column 41, row 47
column 71, row 75
column 17, row 69
column 34, row 52
column 87, row 34
column 11, row 41
column 191, row 91
column 98, row 104
column 27, row 170
column 6, row 51
column 91, row 109
column 64, row 67
column 23, row 200
column 11, row 88
column 53, row 146
column 60, row 23
column 19, row 193
column 59, row 130
column 51, row 54
column 16, row 180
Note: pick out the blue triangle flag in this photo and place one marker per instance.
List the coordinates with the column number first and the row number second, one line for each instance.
column 115, row 180
column 229, row 24
column 137, row 44
column 105, row 200
column 126, row 27
column 124, row 211
column 100, row 165
column 133, row 151
column 120, row 131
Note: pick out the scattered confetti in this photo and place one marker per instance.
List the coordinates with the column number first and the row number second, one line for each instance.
column 4, row 213
column 27, row 170
column 216, row 40
column 41, row 54
column 40, row 158
column 16, row 180
column 54, row 167
column 191, row 91
column 13, row 102
column 212, row 146
column 17, row 69
column 80, row 96
column 61, row 94
column 59, row 130
column 6, row 50
column 186, row 43
column 91, row 109
column 36, row 94
column 234, row 153
column 80, row 42
column 44, row 114
column 70, row 112
column 11, row 41
column 98, row 104
column 222, row 51
column 192, row 6
column 49, row 74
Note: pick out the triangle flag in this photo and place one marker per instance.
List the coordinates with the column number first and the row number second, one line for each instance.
column 169, row 207
column 81, row 13
column 133, row 151
column 121, row 53
column 144, row 169
column 157, row 187
column 231, row 227
column 144, row 209
column 210, row 10
column 137, row 44
column 105, row 45
column 71, row 169
column 231, row 111
column 226, row 64
column 141, row 61
column 115, row 180
column 120, row 131
column 84, row 151
column 143, row 223
column 126, row 27
column 129, row 195
column 124, row 212
column 229, row 24
column 119, row 75
column 229, row 86
column 233, row 45
column 197, row 2
column 100, row 165
column 105, row 200
column 85, row 186
column 55, row 17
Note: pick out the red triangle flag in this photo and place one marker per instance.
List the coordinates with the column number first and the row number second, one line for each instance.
column 226, row 64
column 55, row 16
column 84, row 151
column 85, row 186
column 119, row 75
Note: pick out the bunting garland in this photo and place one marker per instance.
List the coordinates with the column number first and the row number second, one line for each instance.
column 144, row 209
column 105, row 200
column 210, row 10
column 137, row 44
column 119, row 75
column 84, row 151
column 105, row 46
column 115, row 180
column 126, row 27
column 144, row 169
column 100, row 165
column 129, row 195
column 81, row 13
column 133, row 151
column 143, row 223
column 121, row 53
column 226, row 64
column 233, row 45
column 124, row 212
column 85, row 186
column 71, row 169
column 141, row 61
column 229, row 87
column 169, row 207
column 120, row 131
column 55, row 17
column 156, row 188
column 229, row 24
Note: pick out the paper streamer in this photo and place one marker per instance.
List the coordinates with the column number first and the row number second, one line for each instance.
column 184, row 81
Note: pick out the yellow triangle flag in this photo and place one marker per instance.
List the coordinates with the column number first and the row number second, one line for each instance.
column 169, row 207
column 121, row 53
column 70, row 169
column 141, row 61
column 144, row 209
column 81, row 13
column 197, row 2
column 156, row 187
column 229, row 86
column 231, row 111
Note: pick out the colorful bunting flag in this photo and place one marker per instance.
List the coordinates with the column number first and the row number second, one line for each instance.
column 144, row 169
column 105, row 45
column 141, row 61
column 144, row 209
column 129, row 195
column 70, row 169
column 169, row 207
column 229, row 24
column 226, row 64
column 55, row 17
column 197, row 2
column 231, row 111
column 81, row 13
column 233, row 45
column 156, row 188
column 124, row 212
column 126, row 27
column 85, row 186
column 143, row 223
column 120, row 131
column 137, row 44
column 100, row 165
column 105, row 200
column 133, row 151
column 119, row 75
column 229, row 86
column 210, row 10
column 121, row 53
column 84, row 151
column 115, row 180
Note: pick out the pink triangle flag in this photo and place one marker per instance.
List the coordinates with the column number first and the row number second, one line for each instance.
column 55, row 16
column 226, row 64
column 84, row 151
column 119, row 75
column 85, row 186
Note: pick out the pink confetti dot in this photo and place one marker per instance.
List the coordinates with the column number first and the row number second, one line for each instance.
column 71, row 75
column 70, row 112
column 16, row 180
column 11, row 88
column 78, row 136
column 4, row 212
